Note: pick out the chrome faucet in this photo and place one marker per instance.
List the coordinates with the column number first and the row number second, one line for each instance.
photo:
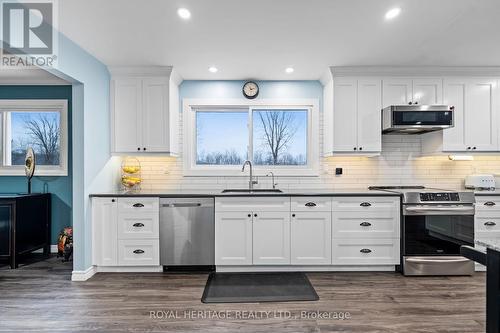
column 272, row 175
column 251, row 182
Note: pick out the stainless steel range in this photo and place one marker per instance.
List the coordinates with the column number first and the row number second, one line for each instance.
column 435, row 224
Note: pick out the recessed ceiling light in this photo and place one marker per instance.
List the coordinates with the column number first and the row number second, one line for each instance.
column 184, row 13
column 212, row 69
column 392, row 13
column 289, row 70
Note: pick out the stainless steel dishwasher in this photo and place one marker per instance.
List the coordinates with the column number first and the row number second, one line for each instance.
column 187, row 233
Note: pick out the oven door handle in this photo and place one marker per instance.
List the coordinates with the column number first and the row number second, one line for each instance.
column 430, row 209
column 437, row 261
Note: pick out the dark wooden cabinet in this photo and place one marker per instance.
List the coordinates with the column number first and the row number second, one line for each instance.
column 24, row 225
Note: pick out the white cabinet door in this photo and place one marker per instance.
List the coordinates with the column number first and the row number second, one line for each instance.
column 345, row 115
column 105, row 231
column 233, row 238
column 126, row 105
column 428, row 91
column 271, row 238
column 396, row 91
column 155, row 115
column 369, row 103
column 311, row 238
column 454, row 91
column 481, row 131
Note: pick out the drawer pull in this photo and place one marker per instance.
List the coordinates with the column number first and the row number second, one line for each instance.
column 365, row 224
column 138, row 251
column 365, row 204
column 489, row 203
column 489, row 224
column 138, row 225
column 310, row 204
column 138, row 205
column 365, row 250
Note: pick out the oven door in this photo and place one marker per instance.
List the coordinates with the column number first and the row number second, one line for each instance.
column 432, row 236
column 437, row 230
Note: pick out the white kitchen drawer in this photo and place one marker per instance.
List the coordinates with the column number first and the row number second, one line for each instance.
column 362, row 205
column 138, row 252
column 488, row 206
column 347, row 226
column 138, row 205
column 487, row 227
column 305, row 204
column 251, row 204
column 138, row 226
column 365, row 252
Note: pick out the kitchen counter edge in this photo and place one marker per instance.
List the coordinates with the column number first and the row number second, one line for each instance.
column 214, row 194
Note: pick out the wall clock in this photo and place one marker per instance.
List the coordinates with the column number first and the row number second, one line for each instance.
column 250, row 89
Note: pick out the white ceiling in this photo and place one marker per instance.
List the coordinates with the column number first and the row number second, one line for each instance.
column 258, row 39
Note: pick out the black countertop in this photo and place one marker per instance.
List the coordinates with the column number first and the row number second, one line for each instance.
column 217, row 193
column 18, row 195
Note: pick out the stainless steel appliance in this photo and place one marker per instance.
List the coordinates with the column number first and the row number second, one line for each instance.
column 435, row 223
column 416, row 119
column 187, row 232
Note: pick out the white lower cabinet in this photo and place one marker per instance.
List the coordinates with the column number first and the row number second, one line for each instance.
column 271, row 238
column 125, row 232
column 233, row 238
column 311, row 240
column 486, row 221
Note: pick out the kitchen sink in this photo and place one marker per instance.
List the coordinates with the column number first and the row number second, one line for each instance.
column 254, row 191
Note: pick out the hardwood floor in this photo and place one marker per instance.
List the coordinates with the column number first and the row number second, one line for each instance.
column 41, row 298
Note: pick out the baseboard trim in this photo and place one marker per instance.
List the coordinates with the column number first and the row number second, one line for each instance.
column 79, row 276
column 315, row 268
column 53, row 249
column 129, row 269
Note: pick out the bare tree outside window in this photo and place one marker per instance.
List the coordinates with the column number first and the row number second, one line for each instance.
column 280, row 137
column 40, row 130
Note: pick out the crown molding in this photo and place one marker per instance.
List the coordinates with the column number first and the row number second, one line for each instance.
column 416, row 71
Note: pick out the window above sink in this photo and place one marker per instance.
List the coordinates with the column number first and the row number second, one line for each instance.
column 278, row 136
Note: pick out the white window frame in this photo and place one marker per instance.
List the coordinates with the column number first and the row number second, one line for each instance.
column 34, row 105
column 191, row 106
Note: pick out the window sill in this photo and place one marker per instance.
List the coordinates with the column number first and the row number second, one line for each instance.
column 42, row 172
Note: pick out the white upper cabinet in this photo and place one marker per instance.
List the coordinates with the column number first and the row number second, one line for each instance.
column 399, row 91
column 356, row 115
column 475, row 115
column 144, row 110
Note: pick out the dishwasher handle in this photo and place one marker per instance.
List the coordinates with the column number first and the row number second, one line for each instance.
column 184, row 204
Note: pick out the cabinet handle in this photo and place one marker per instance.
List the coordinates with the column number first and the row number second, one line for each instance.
column 249, row 215
column 410, row 103
column 360, row 148
column 365, row 224
column 255, row 215
column 138, row 148
column 468, row 148
column 473, row 148
column 365, row 204
column 365, row 250
column 355, row 148
column 138, row 251
column 293, row 215
column 113, row 200
column 416, row 103
column 138, row 225
column 138, row 205
column 144, row 148
column 489, row 224
column 310, row 204
column 489, row 203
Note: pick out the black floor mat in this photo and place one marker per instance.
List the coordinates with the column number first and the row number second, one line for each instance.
column 258, row 287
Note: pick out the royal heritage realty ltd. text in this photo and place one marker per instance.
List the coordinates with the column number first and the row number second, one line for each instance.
column 247, row 315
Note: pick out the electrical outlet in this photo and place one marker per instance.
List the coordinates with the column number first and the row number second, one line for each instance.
column 338, row 171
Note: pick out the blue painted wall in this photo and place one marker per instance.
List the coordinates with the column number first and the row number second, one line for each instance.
column 268, row 89
column 60, row 187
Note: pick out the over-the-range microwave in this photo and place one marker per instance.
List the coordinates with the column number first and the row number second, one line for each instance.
column 416, row 119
